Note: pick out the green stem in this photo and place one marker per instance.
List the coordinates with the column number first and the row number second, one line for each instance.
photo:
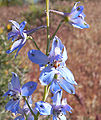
column 56, row 30
column 47, row 49
column 30, row 108
column 45, row 93
column 25, row 116
column 47, row 19
column 35, row 44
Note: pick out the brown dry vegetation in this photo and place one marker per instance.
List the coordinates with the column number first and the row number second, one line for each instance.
column 84, row 57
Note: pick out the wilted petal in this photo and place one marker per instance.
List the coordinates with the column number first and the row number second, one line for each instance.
column 47, row 75
column 43, row 107
column 36, row 56
column 28, row 88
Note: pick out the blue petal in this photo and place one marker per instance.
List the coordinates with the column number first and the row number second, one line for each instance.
column 75, row 6
column 12, row 106
column 56, row 43
column 64, row 54
column 22, row 26
column 37, row 57
column 54, row 117
column 47, row 75
column 28, row 88
column 19, row 118
column 15, row 23
column 15, row 82
column 68, row 108
column 57, row 97
column 15, row 45
column 75, row 13
column 79, row 23
column 67, row 75
column 67, row 86
column 12, row 35
column 54, row 87
column 21, row 45
column 6, row 94
column 43, row 107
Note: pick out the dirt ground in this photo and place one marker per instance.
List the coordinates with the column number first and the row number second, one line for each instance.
column 84, row 57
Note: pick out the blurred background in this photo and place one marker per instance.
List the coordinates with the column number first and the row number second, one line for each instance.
column 83, row 47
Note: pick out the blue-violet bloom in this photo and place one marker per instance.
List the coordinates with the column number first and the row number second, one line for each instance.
column 56, row 71
column 58, row 109
column 16, row 92
column 75, row 17
column 20, row 35
column 25, row 110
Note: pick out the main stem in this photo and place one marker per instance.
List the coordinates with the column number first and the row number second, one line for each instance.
column 48, row 44
column 47, row 19
column 46, row 90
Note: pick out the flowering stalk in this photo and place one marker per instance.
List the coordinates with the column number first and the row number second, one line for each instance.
column 47, row 19
column 48, row 43
column 46, row 90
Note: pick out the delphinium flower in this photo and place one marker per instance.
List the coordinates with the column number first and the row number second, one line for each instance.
column 17, row 31
column 16, row 92
column 20, row 35
column 75, row 17
column 25, row 111
column 55, row 73
column 58, row 109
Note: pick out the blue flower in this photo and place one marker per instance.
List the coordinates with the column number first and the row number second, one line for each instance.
column 25, row 110
column 17, row 31
column 58, row 109
column 16, row 92
column 20, row 35
column 75, row 17
column 56, row 71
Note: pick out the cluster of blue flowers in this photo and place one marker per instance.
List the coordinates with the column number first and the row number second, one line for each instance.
column 54, row 73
